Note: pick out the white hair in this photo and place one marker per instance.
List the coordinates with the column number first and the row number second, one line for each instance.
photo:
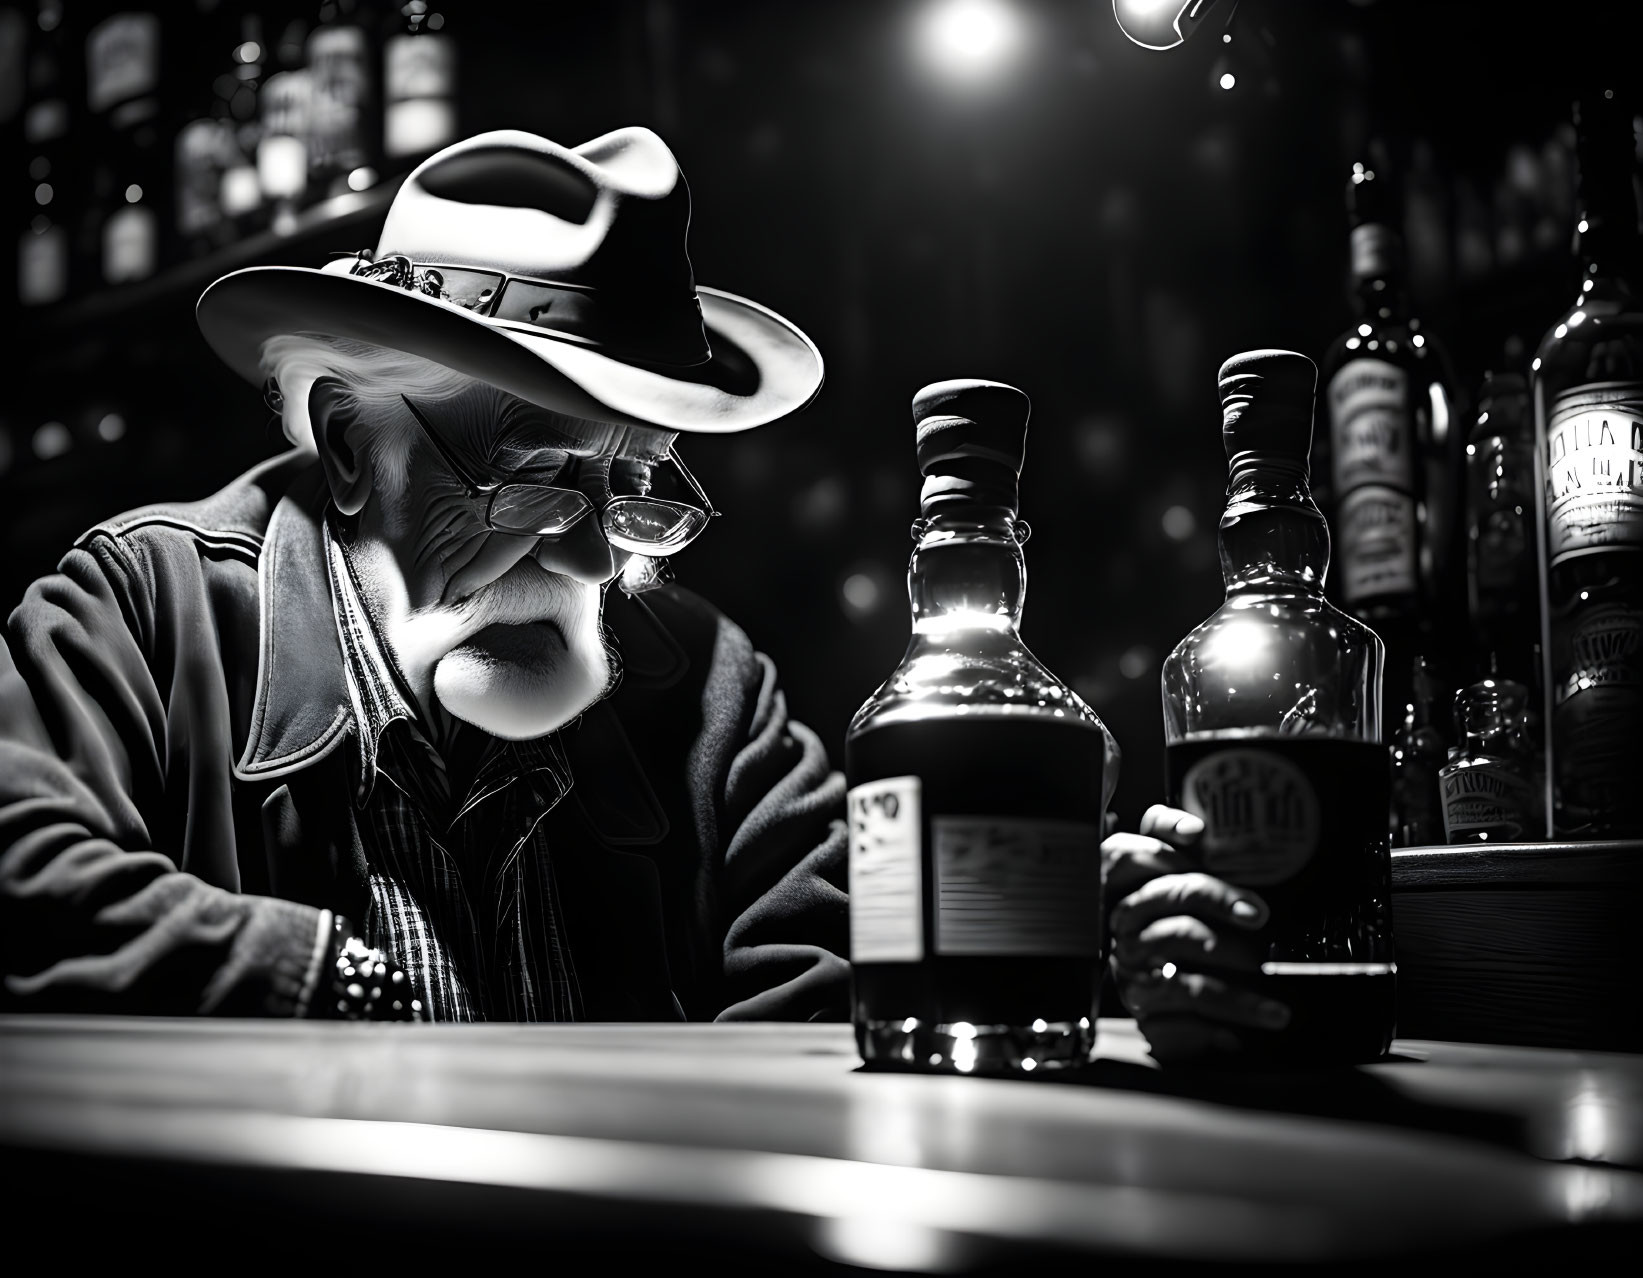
column 374, row 376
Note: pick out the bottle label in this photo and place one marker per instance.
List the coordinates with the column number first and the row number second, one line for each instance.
column 1378, row 551
column 418, row 66
column 129, row 238
column 886, row 894
column 1492, row 798
column 1594, row 471
column 122, row 59
column 1369, row 423
column 1261, row 815
column 1597, row 713
column 1016, row 886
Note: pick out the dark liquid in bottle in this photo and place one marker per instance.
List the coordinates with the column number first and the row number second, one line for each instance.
column 1303, row 822
column 997, row 767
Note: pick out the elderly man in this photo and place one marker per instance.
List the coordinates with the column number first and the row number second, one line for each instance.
column 368, row 733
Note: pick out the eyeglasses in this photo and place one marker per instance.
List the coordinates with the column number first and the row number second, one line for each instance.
column 642, row 525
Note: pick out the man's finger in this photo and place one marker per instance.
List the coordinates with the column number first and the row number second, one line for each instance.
column 1199, row 895
column 1172, row 825
column 1129, row 860
column 1178, row 992
column 1190, row 943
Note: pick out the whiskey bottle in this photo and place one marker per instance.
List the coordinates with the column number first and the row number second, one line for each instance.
column 1393, row 488
column 418, row 82
column 978, row 781
column 1272, row 725
column 1588, row 407
column 1489, row 787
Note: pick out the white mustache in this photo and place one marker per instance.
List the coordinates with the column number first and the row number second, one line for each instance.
column 525, row 593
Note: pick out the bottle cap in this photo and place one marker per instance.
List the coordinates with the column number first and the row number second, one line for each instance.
column 971, row 437
column 1490, row 707
column 1266, row 405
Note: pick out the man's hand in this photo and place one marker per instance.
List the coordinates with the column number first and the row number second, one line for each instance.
column 1184, row 944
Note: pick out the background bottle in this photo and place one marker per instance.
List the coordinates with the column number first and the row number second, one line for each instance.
column 1588, row 407
column 342, row 127
column 1392, row 493
column 418, row 81
column 129, row 224
column 1490, row 786
column 53, row 181
column 1418, row 755
column 1502, row 578
column 1272, row 723
column 978, row 781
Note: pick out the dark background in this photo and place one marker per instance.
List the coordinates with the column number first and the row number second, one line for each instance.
column 1096, row 223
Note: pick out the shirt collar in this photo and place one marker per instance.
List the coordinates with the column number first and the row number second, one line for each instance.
column 375, row 689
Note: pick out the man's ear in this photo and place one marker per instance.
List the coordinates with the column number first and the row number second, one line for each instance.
column 339, row 436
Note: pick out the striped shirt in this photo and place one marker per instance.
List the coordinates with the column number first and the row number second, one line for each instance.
column 462, row 886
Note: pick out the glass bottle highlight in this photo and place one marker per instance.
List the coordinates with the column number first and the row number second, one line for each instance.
column 1272, row 719
column 978, row 781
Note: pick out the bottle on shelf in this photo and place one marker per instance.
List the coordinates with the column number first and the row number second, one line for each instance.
column 1491, row 785
column 284, row 107
column 978, row 781
column 1272, row 729
column 342, row 128
column 1502, row 577
column 1418, row 754
column 418, row 82
column 1392, row 451
column 1587, row 384
column 47, row 268
column 125, row 94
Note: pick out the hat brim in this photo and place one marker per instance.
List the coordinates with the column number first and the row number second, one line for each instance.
column 762, row 367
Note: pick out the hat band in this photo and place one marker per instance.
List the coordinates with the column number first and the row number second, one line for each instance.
column 641, row 329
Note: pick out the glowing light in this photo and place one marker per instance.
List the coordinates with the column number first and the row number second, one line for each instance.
column 43, row 193
column 52, row 440
column 1228, row 80
column 1585, row 286
column 133, row 193
column 362, row 179
column 1418, row 340
column 963, row 1031
column 1364, row 330
column 881, row 1242
column 1167, row 971
column 861, row 593
column 1178, row 523
column 969, row 39
column 1028, row 1064
column 111, row 427
column 1040, row 1025
column 1562, row 330
column 1577, row 319
column 250, row 51
column 1135, row 662
column 1582, row 226
column 1534, row 365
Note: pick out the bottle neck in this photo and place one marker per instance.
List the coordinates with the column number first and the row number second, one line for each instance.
column 1606, row 228
column 968, row 572
column 1272, row 535
column 1378, row 292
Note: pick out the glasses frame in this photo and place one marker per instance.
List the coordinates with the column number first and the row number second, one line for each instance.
column 478, row 489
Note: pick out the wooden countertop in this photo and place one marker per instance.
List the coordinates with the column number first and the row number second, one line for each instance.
column 768, row 1143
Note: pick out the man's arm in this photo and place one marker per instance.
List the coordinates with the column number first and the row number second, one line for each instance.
column 778, row 814
column 104, row 703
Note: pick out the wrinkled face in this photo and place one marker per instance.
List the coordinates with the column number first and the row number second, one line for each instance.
column 502, row 629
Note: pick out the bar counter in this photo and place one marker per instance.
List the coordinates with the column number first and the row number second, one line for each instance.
column 769, row 1148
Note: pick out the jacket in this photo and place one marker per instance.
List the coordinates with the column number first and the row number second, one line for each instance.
column 174, row 801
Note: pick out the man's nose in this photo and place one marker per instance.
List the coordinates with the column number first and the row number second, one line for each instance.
column 581, row 553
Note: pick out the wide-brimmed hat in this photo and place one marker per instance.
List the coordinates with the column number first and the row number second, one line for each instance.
column 559, row 275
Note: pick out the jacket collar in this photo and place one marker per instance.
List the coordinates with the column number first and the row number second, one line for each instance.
column 302, row 710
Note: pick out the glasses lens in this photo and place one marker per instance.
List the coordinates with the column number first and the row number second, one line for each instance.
column 651, row 527
column 537, row 511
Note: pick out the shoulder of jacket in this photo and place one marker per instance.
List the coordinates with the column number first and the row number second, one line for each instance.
column 664, row 633
column 231, row 521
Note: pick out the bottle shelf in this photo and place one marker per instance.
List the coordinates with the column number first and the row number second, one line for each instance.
column 1481, row 864
column 295, row 244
